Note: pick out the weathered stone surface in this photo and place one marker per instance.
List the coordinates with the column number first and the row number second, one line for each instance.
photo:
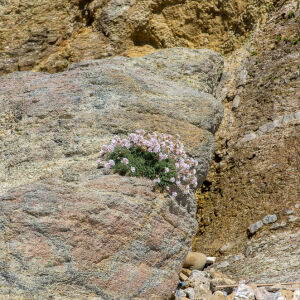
column 278, row 252
column 48, row 35
column 260, row 293
column 200, row 281
column 68, row 230
column 269, row 219
column 255, row 227
column 54, row 125
column 111, row 237
column 259, row 176
column 219, row 279
column 244, row 292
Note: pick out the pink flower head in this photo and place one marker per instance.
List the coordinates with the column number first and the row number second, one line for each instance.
column 174, row 194
column 167, row 170
column 156, row 180
column 172, row 179
column 125, row 161
column 107, row 166
column 132, row 169
column 111, row 148
column 111, row 162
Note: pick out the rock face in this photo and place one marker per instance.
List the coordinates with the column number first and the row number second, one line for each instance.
column 255, row 170
column 54, row 125
column 109, row 238
column 48, row 35
column 66, row 229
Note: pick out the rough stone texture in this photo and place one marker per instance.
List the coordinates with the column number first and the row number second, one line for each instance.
column 48, row 35
column 54, row 125
column 254, row 177
column 66, row 229
column 255, row 227
column 270, row 258
column 109, row 238
column 269, row 219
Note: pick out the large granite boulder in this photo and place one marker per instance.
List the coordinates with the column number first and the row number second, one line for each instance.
column 68, row 230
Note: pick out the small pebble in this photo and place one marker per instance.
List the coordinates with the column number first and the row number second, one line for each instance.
column 260, row 293
column 211, row 260
column 278, row 225
column 179, row 295
column 274, row 288
column 186, row 272
column 183, row 277
column 255, row 227
column 190, row 293
column 244, row 291
column 236, row 102
column 220, row 295
column 269, row 219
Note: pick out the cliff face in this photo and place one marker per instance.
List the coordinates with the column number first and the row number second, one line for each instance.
column 256, row 166
column 66, row 117
column 48, row 35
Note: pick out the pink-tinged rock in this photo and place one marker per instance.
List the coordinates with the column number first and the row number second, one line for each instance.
column 260, row 293
column 91, row 240
column 81, row 234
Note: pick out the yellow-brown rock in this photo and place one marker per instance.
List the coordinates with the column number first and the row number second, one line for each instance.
column 254, row 171
column 183, row 277
column 186, row 272
column 48, row 35
column 195, row 261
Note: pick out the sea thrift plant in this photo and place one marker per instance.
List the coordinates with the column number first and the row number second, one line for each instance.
column 159, row 157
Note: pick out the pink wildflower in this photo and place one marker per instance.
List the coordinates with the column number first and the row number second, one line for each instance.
column 156, row 180
column 107, row 166
column 111, row 162
column 125, row 161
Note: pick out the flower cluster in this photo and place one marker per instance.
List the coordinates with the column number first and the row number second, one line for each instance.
column 157, row 156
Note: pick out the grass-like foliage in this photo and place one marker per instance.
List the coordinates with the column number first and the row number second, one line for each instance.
column 159, row 157
column 146, row 164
